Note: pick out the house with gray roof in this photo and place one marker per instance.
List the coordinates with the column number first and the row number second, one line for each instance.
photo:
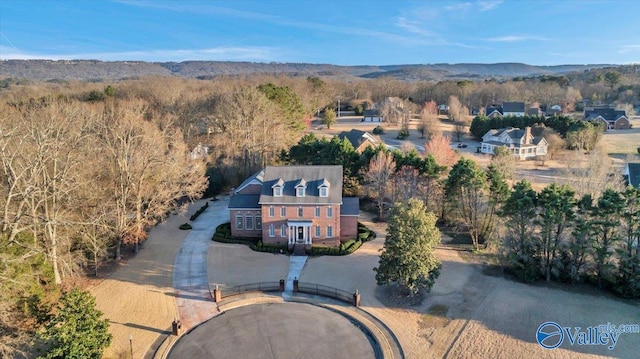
column 294, row 206
column 612, row 119
column 520, row 142
column 632, row 174
column 506, row 109
column 360, row 140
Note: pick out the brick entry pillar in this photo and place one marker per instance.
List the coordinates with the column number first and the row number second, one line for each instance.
column 282, row 285
column 217, row 295
column 356, row 298
column 295, row 284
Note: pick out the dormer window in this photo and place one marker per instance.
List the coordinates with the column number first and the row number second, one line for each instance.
column 323, row 188
column 301, row 187
column 277, row 188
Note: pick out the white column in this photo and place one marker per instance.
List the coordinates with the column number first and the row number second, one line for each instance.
column 309, row 235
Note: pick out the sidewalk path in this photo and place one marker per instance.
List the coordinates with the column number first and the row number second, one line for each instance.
column 296, row 263
column 190, row 280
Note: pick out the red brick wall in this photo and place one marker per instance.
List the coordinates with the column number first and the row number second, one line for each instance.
column 308, row 214
column 244, row 232
column 622, row 124
column 349, row 227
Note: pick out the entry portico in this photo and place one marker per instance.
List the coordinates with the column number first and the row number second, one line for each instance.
column 299, row 232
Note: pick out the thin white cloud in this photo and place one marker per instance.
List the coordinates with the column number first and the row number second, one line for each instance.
column 464, row 6
column 516, row 38
column 258, row 54
column 413, row 26
column 489, row 4
column 205, row 8
column 629, row 48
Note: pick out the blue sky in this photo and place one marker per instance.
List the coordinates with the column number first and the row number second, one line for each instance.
column 348, row 32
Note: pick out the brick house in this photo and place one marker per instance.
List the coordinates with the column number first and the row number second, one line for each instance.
column 294, row 205
column 360, row 140
column 611, row 119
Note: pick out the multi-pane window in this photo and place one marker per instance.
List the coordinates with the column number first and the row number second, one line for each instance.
column 248, row 221
column 300, row 191
column 329, row 212
column 277, row 191
column 317, row 212
column 272, row 230
column 283, row 231
column 329, row 231
column 258, row 222
column 239, row 222
column 283, row 211
column 317, row 231
column 272, row 211
column 324, row 192
column 300, row 211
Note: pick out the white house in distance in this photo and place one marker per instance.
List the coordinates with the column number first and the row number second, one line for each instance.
column 520, row 142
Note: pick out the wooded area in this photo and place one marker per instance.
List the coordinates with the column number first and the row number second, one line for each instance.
column 88, row 167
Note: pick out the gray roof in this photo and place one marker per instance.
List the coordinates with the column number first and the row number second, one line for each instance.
column 350, row 206
column 313, row 175
column 257, row 177
column 242, row 201
column 357, row 137
column 634, row 174
column 513, row 107
column 608, row 114
column 373, row 112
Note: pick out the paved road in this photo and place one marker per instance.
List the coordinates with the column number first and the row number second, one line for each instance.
column 190, row 280
column 275, row 330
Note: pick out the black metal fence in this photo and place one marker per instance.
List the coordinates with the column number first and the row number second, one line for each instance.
column 326, row 291
column 309, row 288
column 253, row 287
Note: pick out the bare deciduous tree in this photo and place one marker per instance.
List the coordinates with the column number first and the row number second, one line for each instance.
column 381, row 169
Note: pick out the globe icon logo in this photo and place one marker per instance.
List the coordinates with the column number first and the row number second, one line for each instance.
column 549, row 335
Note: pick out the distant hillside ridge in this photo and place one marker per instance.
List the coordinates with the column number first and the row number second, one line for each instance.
column 45, row 70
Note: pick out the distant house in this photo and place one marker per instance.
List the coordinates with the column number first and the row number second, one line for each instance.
column 611, row 119
column 294, row 206
column 359, row 139
column 493, row 112
column 520, row 142
column 553, row 110
column 632, row 174
column 443, row 109
column 372, row 116
column 534, row 111
column 513, row 109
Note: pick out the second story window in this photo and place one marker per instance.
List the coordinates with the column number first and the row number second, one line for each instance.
column 300, row 212
column 272, row 211
column 283, row 211
column 329, row 212
column 317, row 212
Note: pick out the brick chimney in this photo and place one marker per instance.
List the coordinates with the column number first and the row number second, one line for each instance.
column 528, row 139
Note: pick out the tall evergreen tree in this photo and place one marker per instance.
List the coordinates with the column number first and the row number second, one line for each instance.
column 77, row 331
column 606, row 234
column 520, row 244
column 408, row 257
column 556, row 205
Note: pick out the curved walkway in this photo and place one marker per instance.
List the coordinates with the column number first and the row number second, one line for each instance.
column 190, row 281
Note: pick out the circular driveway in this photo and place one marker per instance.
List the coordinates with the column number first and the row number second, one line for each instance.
column 275, row 330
